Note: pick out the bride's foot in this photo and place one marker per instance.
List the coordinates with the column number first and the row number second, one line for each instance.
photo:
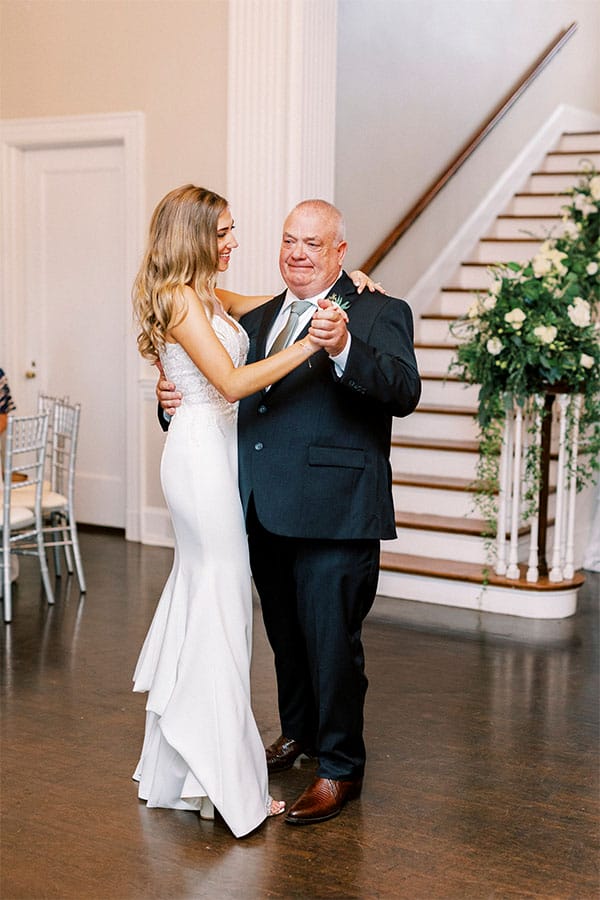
column 276, row 807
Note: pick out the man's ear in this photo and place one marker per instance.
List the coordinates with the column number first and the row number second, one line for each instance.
column 341, row 249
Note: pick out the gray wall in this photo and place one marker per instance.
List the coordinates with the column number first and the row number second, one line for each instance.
column 416, row 78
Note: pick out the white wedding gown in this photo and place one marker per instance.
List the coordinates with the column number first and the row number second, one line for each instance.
column 201, row 743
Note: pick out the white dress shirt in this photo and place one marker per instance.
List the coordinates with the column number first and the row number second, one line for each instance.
column 280, row 320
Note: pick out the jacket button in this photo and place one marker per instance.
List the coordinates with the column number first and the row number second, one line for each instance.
column 258, row 445
column 262, row 409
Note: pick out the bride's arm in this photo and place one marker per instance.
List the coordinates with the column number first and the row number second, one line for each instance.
column 197, row 337
column 237, row 305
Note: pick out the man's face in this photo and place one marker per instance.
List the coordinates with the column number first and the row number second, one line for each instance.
column 311, row 256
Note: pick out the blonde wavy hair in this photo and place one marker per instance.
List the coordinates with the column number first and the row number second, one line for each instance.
column 182, row 250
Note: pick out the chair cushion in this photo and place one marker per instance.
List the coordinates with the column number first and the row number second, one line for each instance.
column 20, row 517
column 50, row 499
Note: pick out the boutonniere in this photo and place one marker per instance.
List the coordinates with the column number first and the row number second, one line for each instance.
column 339, row 301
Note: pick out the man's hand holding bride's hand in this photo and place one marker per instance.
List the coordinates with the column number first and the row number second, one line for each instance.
column 167, row 396
column 328, row 327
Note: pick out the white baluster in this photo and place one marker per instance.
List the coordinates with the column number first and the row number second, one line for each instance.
column 503, row 493
column 533, row 570
column 569, row 569
column 513, row 568
column 557, row 555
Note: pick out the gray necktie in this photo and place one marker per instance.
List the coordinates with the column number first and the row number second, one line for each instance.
column 287, row 332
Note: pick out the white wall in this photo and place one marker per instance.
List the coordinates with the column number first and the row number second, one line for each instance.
column 416, row 78
column 165, row 58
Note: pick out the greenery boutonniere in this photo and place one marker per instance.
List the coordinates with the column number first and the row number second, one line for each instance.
column 339, row 301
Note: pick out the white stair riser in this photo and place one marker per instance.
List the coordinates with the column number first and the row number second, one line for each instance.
column 413, row 499
column 476, row 277
column 567, row 162
column 443, row 545
column 538, row 184
column 451, row 393
column 417, row 461
column 580, row 142
column 436, row 425
column 526, row 227
column 423, row 461
column 438, row 545
column 531, row 205
column 426, row 500
column 434, row 331
column 453, row 303
column 433, row 359
column 505, row 251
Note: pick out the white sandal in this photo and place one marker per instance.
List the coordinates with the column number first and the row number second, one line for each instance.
column 275, row 807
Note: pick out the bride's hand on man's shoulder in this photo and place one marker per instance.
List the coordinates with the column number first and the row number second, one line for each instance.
column 362, row 281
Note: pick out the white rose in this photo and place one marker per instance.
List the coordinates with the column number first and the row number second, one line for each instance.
column 490, row 302
column 541, row 266
column 496, row 287
column 595, row 187
column 586, row 361
column 515, row 317
column 473, row 310
column 579, row 312
column 545, row 333
column 591, row 268
column 494, row 346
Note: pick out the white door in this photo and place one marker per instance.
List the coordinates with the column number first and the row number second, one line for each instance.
column 77, row 308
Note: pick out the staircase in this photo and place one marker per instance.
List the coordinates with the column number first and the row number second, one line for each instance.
column 439, row 555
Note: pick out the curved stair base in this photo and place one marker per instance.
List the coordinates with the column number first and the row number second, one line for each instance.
column 464, row 585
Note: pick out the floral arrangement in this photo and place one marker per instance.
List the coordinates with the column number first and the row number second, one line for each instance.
column 536, row 328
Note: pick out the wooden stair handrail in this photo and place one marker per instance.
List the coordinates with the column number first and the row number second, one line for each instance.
column 500, row 111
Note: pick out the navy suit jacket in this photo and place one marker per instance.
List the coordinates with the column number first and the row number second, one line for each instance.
column 314, row 449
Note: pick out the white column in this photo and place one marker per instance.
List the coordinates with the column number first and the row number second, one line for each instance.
column 281, row 124
column 569, row 568
column 556, row 572
column 537, row 407
column 513, row 557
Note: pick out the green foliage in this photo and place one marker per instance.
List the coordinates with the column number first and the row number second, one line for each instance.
column 536, row 328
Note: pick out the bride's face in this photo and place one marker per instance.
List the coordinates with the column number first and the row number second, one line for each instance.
column 225, row 239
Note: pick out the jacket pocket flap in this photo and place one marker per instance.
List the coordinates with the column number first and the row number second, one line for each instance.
column 346, row 457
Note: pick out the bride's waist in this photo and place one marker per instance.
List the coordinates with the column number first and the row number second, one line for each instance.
column 193, row 407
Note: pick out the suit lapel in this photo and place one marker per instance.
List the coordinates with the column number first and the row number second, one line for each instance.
column 271, row 311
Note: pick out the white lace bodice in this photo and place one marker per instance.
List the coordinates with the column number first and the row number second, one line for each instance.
column 195, row 387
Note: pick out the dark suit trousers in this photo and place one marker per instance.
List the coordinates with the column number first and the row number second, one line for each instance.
column 314, row 596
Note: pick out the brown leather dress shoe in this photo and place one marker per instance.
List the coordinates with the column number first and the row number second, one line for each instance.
column 284, row 752
column 322, row 800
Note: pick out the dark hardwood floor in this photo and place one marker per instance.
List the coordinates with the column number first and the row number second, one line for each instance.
column 482, row 780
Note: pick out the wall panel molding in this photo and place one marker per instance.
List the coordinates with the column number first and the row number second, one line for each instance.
column 281, row 124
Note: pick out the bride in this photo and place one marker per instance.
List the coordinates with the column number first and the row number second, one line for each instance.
column 202, row 749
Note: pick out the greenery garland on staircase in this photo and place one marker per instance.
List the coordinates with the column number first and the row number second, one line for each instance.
column 537, row 327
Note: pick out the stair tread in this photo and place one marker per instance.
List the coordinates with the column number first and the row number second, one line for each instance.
column 542, row 194
column 510, row 240
column 444, row 444
column 471, row 572
column 449, row 524
column 448, row 482
column 439, row 376
column 575, row 172
column 447, row 410
column 528, row 216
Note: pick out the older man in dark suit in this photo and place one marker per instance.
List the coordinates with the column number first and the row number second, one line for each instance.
column 315, row 483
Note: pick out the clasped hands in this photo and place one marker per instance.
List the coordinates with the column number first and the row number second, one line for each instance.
column 328, row 328
column 327, row 331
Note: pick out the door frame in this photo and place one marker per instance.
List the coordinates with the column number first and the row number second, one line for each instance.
column 17, row 136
